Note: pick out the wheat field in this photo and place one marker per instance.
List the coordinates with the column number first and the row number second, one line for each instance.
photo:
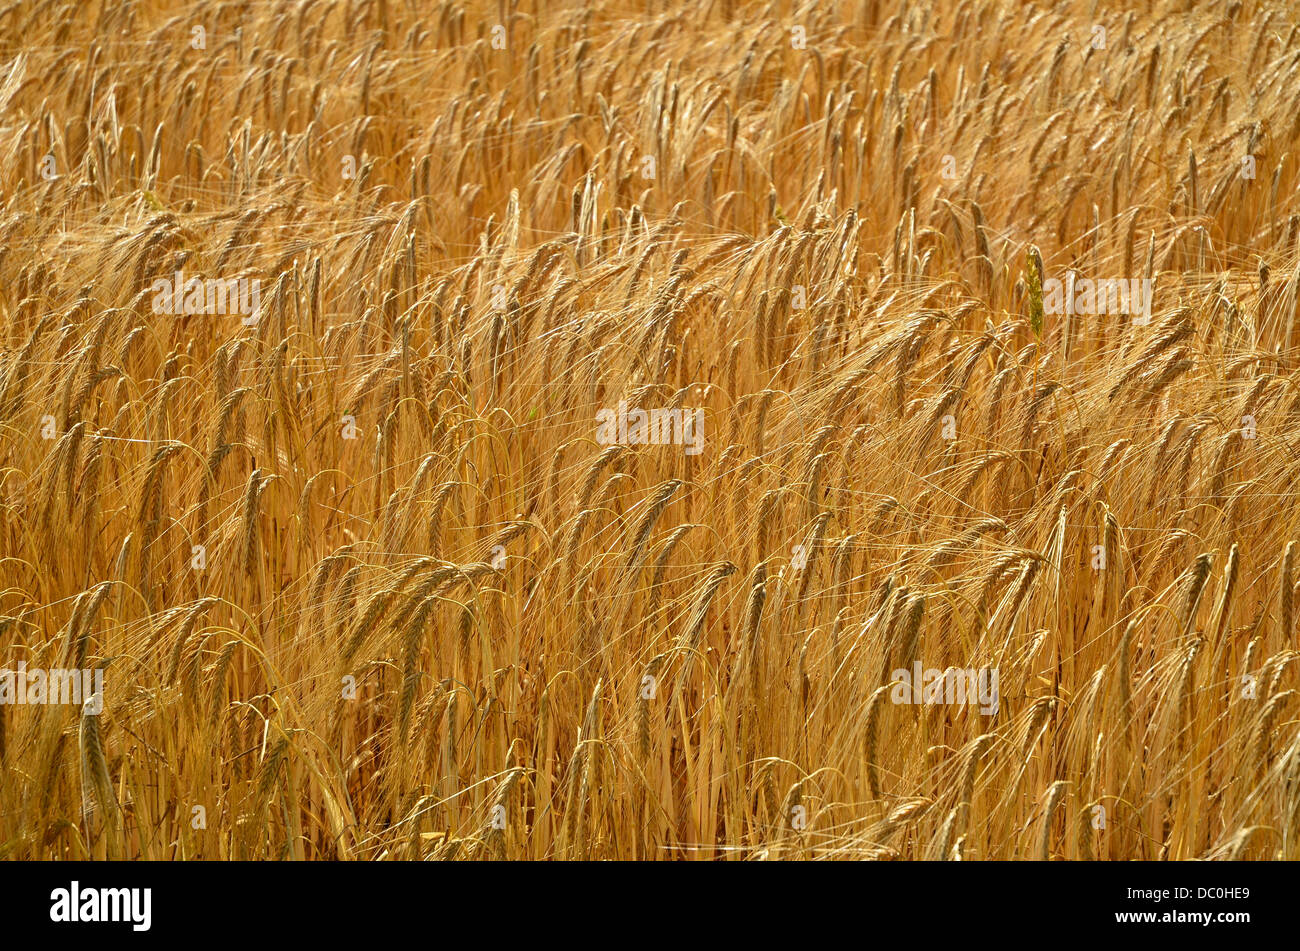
column 367, row 576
